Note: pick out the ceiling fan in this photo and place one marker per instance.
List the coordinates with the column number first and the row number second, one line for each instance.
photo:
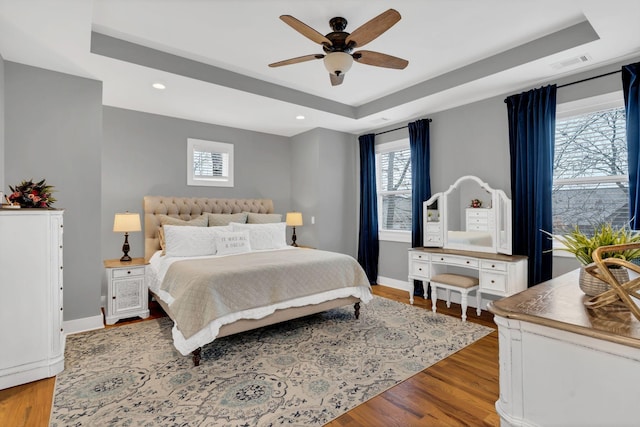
column 338, row 45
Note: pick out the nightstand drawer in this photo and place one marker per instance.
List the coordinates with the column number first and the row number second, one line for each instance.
column 118, row 273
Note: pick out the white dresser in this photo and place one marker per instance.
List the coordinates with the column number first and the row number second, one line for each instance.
column 498, row 274
column 562, row 364
column 479, row 219
column 31, row 338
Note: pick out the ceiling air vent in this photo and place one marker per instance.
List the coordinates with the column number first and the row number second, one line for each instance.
column 571, row 62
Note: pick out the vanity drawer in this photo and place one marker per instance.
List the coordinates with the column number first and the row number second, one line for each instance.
column 454, row 260
column 128, row 272
column 478, row 227
column 493, row 282
column 493, row 265
column 433, row 238
column 420, row 269
column 433, row 227
column 419, row 256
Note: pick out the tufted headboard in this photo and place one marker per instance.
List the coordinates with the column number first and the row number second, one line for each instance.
column 188, row 208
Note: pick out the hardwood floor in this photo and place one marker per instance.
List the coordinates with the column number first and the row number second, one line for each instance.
column 460, row 390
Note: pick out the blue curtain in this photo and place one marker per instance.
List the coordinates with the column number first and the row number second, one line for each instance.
column 420, row 182
column 368, row 244
column 532, row 123
column 631, row 87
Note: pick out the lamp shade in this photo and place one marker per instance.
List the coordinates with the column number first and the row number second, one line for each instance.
column 338, row 62
column 294, row 219
column 126, row 222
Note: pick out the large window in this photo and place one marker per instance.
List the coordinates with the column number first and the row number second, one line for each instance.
column 590, row 171
column 393, row 172
column 209, row 163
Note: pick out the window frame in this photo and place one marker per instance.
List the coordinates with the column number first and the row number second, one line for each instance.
column 403, row 236
column 201, row 145
column 579, row 107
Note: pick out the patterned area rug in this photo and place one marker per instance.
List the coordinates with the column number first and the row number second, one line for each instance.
column 303, row 372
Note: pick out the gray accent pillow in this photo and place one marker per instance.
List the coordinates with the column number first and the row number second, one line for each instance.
column 257, row 218
column 216, row 219
column 200, row 221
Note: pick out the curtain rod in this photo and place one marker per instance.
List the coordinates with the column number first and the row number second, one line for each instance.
column 393, row 130
column 590, row 78
column 585, row 80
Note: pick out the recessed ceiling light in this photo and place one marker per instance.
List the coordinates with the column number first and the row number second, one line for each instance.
column 299, row 117
column 159, row 86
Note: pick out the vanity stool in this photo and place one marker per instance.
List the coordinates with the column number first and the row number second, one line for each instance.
column 459, row 283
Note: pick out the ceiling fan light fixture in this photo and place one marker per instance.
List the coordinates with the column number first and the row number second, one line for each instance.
column 338, row 63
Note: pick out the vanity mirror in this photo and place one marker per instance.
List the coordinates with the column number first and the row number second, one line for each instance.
column 470, row 216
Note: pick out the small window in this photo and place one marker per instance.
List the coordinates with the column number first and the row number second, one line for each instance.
column 590, row 170
column 209, row 163
column 393, row 172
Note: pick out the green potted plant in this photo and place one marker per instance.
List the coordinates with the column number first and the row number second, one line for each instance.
column 582, row 247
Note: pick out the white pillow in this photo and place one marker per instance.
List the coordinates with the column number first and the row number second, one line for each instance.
column 264, row 236
column 232, row 242
column 186, row 240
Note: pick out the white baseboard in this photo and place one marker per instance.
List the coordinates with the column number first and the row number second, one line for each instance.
column 455, row 296
column 82, row 325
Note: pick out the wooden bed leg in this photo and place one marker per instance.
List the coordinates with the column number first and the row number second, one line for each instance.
column 356, row 307
column 196, row 356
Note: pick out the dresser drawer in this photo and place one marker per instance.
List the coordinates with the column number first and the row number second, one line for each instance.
column 477, row 213
column 118, row 273
column 453, row 260
column 493, row 265
column 433, row 238
column 420, row 269
column 478, row 227
column 493, row 281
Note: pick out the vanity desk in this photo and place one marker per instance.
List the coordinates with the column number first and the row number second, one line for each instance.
column 498, row 274
column 467, row 242
column 562, row 364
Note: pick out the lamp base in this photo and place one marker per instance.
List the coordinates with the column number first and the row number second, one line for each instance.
column 125, row 249
column 293, row 238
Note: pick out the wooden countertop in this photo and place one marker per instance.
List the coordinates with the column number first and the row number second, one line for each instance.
column 559, row 303
column 474, row 254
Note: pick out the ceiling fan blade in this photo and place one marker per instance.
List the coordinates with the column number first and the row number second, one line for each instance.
column 296, row 60
column 373, row 28
column 336, row 80
column 380, row 59
column 305, row 30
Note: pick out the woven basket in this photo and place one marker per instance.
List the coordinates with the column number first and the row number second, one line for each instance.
column 592, row 286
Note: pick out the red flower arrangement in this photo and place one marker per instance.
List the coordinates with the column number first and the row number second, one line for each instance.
column 30, row 195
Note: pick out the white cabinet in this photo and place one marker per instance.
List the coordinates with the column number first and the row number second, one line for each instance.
column 127, row 294
column 562, row 364
column 499, row 275
column 31, row 337
column 479, row 219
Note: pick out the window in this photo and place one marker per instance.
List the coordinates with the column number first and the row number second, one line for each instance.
column 209, row 163
column 393, row 172
column 590, row 170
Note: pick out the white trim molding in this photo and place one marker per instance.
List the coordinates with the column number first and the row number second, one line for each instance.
column 83, row 325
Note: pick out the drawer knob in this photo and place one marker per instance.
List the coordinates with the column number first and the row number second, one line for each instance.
column 113, row 297
column 493, row 281
column 419, row 269
column 493, row 266
column 128, row 272
column 468, row 261
column 441, row 259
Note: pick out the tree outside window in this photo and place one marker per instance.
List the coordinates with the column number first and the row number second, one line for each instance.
column 590, row 171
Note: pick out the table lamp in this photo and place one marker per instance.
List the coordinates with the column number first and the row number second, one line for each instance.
column 294, row 219
column 125, row 223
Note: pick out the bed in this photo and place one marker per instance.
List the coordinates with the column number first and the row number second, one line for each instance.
column 209, row 296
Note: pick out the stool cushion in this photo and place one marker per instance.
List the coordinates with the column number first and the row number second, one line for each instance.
column 456, row 280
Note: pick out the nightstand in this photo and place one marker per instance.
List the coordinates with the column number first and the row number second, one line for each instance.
column 127, row 294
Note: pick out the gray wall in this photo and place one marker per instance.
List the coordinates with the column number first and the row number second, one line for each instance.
column 2, row 185
column 146, row 154
column 324, row 186
column 53, row 128
column 473, row 140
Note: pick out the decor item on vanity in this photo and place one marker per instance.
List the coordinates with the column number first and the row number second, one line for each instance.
column 476, row 203
column 294, row 219
column 582, row 247
column 125, row 223
column 31, row 195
